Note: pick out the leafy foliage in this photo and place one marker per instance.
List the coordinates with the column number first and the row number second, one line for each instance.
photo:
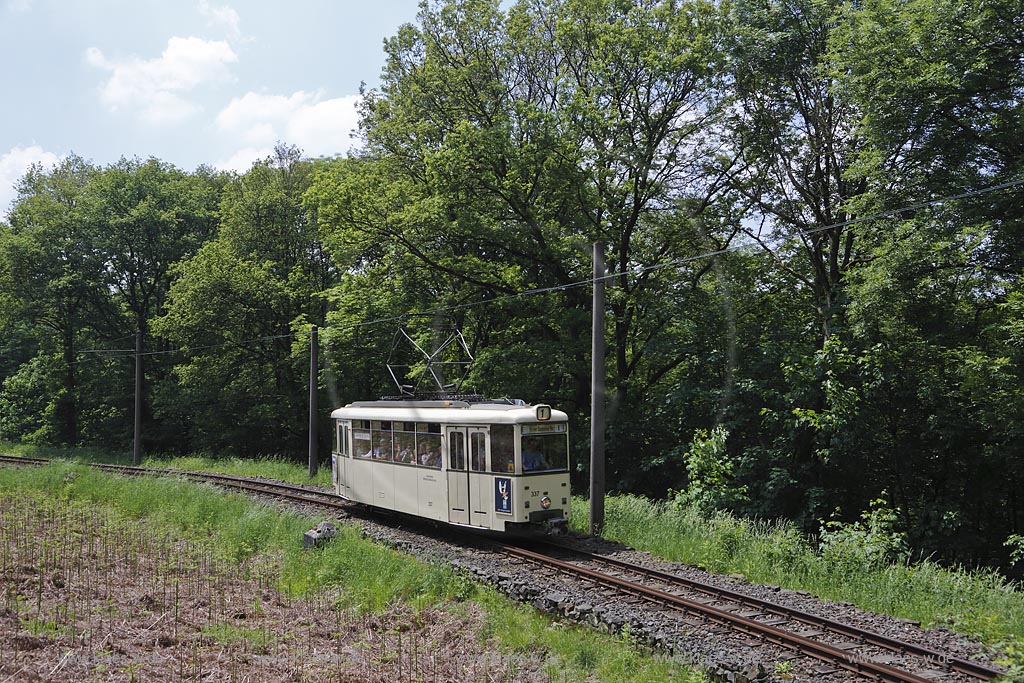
column 709, row 470
column 869, row 543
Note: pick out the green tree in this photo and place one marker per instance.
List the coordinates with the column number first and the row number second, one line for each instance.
column 798, row 140
column 147, row 216
column 502, row 144
column 798, row 137
column 939, row 84
column 47, row 274
column 238, row 308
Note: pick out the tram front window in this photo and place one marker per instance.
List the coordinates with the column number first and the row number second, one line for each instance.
column 545, row 452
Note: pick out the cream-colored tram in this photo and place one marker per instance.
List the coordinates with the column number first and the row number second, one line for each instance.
column 501, row 465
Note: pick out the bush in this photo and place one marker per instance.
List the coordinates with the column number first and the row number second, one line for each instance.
column 870, row 543
column 710, row 472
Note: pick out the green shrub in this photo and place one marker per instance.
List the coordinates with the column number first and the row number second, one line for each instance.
column 870, row 543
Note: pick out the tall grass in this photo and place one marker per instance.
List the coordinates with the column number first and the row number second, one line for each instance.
column 259, row 466
column 359, row 575
column 263, row 466
column 979, row 603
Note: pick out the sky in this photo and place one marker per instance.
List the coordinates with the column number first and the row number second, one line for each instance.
column 189, row 82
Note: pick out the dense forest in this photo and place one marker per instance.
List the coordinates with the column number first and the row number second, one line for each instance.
column 814, row 219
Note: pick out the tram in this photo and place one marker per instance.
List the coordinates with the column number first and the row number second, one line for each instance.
column 496, row 464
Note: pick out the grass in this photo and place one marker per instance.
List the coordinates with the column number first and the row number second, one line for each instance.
column 222, row 633
column 352, row 573
column 978, row 603
column 262, row 466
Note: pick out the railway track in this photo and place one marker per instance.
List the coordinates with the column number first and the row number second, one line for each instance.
column 837, row 645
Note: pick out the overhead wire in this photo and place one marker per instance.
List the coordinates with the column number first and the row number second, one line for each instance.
column 914, row 207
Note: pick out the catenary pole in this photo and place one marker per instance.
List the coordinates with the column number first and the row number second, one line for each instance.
column 137, row 445
column 597, row 397
column 314, row 459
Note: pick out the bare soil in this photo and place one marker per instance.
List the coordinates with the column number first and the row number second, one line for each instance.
column 87, row 597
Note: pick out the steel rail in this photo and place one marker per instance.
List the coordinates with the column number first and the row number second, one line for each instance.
column 964, row 666
column 19, row 460
column 821, row 651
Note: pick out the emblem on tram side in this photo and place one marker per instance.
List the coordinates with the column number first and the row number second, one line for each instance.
column 503, row 495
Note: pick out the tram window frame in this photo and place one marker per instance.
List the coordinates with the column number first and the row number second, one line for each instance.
column 453, row 464
column 545, row 437
column 341, row 439
column 478, row 452
column 404, row 441
column 503, row 449
column 382, row 438
column 429, row 441
column 361, row 433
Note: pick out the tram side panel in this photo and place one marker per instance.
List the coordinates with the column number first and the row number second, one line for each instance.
column 384, row 485
column 406, row 486
column 431, row 495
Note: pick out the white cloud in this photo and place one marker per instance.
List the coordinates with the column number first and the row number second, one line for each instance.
column 222, row 17
column 325, row 127
column 321, row 127
column 243, row 159
column 257, row 117
column 13, row 165
column 153, row 88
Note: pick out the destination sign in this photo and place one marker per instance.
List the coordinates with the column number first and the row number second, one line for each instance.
column 549, row 428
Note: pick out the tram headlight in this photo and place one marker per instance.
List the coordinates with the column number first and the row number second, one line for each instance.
column 545, row 502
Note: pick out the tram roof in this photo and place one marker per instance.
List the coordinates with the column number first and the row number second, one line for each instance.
column 449, row 412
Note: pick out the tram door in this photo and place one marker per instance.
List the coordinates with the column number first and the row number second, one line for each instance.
column 341, row 465
column 468, row 482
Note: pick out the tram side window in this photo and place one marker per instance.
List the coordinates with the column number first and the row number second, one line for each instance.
column 362, row 446
column 478, row 451
column 457, row 451
column 405, row 442
column 380, row 436
column 428, row 444
column 503, row 450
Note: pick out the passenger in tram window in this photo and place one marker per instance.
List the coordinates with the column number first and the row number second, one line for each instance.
column 405, row 447
column 383, row 449
column 432, row 458
column 533, row 458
